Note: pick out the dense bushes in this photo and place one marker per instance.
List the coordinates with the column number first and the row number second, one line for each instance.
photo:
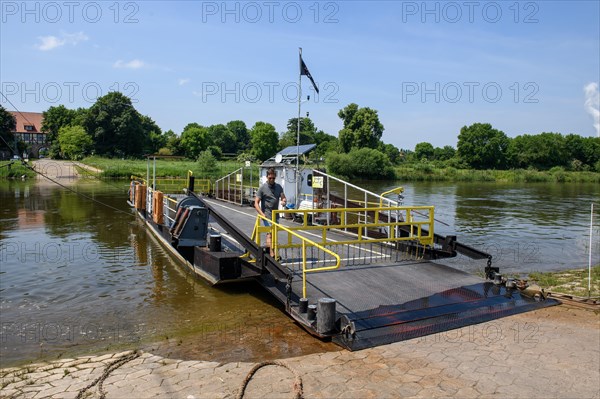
column 363, row 163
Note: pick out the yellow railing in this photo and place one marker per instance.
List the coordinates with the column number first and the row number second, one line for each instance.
column 344, row 219
column 305, row 243
column 203, row 186
column 137, row 178
column 394, row 190
column 177, row 184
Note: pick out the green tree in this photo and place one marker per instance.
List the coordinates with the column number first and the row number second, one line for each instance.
column 264, row 140
column 116, row 127
column 325, row 143
column 74, row 142
column 156, row 140
column 173, row 143
column 424, row 151
column 241, row 133
column 362, row 128
column 444, row 154
column 7, row 126
column 591, row 151
column 541, row 151
column 584, row 149
column 482, row 147
column 57, row 117
column 390, row 151
column 194, row 140
column 222, row 137
column 307, row 133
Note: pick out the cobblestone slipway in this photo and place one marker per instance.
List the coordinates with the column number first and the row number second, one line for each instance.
column 549, row 353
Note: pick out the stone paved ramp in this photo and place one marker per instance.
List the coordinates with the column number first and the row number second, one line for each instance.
column 550, row 353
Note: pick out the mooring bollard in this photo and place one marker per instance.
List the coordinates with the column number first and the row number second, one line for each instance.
column 303, row 305
column 326, row 312
column 214, row 243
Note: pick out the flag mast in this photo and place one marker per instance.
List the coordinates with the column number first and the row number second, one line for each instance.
column 298, row 184
column 303, row 71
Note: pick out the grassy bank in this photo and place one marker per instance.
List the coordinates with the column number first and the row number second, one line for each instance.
column 171, row 168
column 571, row 282
column 14, row 170
column 428, row 172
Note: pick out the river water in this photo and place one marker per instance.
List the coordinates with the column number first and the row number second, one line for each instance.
column 79, row 275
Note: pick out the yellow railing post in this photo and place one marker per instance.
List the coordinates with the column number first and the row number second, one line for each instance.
column 189, row 174
column 303, row 269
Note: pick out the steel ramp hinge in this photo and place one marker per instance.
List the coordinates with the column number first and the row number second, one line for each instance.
column 490, row 272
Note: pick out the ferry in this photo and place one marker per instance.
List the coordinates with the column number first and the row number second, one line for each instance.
column 352, row 266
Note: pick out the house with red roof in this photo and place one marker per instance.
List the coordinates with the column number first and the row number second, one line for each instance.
column 28, row 129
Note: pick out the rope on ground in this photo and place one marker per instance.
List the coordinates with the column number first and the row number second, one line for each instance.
column 109, row 369
column 297, row 386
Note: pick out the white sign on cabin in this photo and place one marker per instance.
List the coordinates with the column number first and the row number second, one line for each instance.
column 317, row 182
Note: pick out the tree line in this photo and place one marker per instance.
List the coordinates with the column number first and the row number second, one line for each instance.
column 482, row 147
column 112, row 127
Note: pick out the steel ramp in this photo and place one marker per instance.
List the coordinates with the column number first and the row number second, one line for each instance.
column 383, row 304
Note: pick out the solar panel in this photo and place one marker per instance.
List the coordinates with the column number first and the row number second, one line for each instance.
column 293, row 150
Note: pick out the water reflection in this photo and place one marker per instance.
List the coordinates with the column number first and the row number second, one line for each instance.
column 77, row 276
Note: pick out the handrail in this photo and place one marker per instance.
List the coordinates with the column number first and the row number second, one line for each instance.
column 394, row 190
column 341, row 222
column 346, row 184
column 273, row 229
column 224, row 184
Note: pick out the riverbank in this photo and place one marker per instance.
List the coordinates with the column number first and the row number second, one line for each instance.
column 573, row 282
column 125, row 168
column 552, row 352
column 14, row 170
column 427, row 172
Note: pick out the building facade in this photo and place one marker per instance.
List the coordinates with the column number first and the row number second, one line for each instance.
column 28, row 129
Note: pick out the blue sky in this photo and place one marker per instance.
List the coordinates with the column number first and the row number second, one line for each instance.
column 428, row 68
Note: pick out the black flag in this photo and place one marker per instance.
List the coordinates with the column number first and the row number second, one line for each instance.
column 304, row 71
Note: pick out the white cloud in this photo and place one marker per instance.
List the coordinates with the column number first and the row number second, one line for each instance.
column 592, row 104
column 48, row 43
column 133, row 64
column 183, row 81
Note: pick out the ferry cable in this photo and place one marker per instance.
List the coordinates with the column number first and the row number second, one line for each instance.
column 77, row 192
column 109, row 369
column 297, row 385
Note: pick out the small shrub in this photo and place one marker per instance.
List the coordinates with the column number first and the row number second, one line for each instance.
column 207, row 162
